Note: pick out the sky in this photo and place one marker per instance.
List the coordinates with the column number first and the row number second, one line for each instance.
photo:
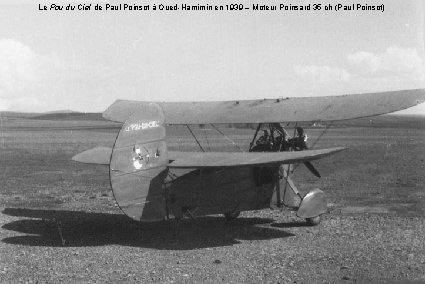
column 85, row 60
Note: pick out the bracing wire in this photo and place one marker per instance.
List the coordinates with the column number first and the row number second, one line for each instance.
column 207, row 140
column 327, row 126
column 226, row 137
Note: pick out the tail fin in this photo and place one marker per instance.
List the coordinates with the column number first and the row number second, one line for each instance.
column 139, row 165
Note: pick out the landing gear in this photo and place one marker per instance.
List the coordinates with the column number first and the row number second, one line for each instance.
column 313, row 205
column 232, row 216
column 313, row 221
column 175, row 227
column 310, row 206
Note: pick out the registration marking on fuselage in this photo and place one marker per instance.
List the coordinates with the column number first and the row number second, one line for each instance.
column 142, row 125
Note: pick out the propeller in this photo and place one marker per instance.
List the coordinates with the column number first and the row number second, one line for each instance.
column 308, row 164
column 312, row 169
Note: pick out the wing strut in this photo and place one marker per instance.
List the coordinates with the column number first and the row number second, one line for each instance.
column 192, row 133
column 289, row 167
column 254, row 137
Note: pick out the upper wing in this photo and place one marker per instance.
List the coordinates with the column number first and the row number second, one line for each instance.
column 101, row 155
column 235, row 159
column 282, row 110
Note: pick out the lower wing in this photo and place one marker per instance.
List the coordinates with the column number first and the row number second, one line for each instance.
column 101, row 155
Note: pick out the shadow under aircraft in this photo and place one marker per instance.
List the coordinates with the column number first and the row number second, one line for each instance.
column 57, row 228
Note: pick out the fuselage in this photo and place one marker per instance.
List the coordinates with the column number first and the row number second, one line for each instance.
column 217, row 191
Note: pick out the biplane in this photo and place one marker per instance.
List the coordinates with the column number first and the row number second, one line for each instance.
column 151, row 183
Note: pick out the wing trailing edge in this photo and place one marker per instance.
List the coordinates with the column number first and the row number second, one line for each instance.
column 294, row 109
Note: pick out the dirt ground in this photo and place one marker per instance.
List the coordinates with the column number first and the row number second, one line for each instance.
column 60, row 224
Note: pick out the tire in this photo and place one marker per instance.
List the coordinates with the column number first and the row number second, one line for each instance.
column 313, row 221
column 232, row 216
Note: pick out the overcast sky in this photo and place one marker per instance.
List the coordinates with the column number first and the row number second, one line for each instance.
column 84, row 60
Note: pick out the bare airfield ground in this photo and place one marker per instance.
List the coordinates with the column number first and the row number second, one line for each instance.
column 373, row 233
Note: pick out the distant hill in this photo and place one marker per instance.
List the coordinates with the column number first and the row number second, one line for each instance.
column 70, row 116
column 61, row 111
column 53, row 115
column 385, row 121
column 15, row 114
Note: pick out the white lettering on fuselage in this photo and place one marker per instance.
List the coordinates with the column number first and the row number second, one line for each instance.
column 142, row 125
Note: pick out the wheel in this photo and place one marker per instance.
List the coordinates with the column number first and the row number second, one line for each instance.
column 313, row 221
column 232, row 215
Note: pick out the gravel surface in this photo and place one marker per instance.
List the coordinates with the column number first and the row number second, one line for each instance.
column 260, row 247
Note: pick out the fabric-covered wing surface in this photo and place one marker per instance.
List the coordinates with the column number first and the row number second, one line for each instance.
column 281, row 110
column 235, row 159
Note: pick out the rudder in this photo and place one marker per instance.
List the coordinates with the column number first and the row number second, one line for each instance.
column 139, row 164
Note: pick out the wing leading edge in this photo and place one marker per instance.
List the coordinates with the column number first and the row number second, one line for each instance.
column 329, row 108
column 101, row 155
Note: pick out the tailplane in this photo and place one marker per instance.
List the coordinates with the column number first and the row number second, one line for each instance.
column 98, row 155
